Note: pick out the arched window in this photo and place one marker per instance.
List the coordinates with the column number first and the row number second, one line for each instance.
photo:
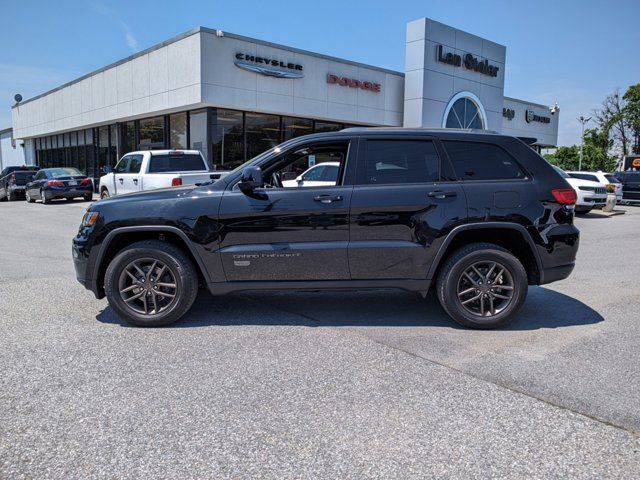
column 464, row 111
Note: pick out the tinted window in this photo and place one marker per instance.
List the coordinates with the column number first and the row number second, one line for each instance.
column 330, row 173
column 482, row 161
column 135, row 163
column 584, row 176
column 188, row 162
column 63, row 172
column 400, row 161
column 122, row 166
column 611, row 178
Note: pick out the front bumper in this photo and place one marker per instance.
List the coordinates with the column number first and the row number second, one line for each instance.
column 84, row 275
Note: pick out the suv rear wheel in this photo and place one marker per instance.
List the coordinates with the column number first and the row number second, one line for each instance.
column 151, row 283
column 482, row 286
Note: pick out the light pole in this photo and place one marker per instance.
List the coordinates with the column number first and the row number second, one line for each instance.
column 583, row 121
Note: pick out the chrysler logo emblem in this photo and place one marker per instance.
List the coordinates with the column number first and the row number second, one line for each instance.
column 268, row 66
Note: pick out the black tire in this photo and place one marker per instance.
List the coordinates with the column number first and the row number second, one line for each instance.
column 88, row 197
column 44, row 198
column 27, row 197
column 181, row 269
column 104, row 193
column 451, row 278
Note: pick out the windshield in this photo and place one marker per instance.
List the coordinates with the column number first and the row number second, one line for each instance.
column 63, row 172
column 562, row 173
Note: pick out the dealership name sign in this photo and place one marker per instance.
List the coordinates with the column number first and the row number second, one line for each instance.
column 532, row 116
column 469, row 61
column 268, row 66
column 353, row 83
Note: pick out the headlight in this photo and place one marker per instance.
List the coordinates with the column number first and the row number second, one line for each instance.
column 90, row 218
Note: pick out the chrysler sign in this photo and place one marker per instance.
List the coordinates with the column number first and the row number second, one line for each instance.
column 268, row 66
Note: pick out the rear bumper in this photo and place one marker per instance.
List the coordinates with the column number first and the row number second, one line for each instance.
column 75, row 192
column 557, row 248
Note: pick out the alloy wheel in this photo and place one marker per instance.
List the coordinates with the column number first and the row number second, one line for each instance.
column 485, row 288
column 148, row 286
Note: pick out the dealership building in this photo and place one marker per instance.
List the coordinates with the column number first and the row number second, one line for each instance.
column 232, row 97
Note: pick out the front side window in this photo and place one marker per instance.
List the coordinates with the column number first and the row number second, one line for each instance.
column 313, row 165
column 122, row 166
column 399, row 161
column 135, row 163
column 482, row 161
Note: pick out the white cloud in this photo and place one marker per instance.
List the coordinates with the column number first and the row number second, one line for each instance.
column 105, row 11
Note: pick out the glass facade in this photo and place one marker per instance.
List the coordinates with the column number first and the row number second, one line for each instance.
column 225, row 137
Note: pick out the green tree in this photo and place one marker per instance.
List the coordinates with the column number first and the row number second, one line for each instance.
column 631, row 112
column 595, row 155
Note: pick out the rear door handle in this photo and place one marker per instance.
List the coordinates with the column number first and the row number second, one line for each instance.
column 328, row 198
column 442, row 194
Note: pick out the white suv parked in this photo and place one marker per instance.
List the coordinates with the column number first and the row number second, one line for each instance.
column 590, row 194
column 603, row 178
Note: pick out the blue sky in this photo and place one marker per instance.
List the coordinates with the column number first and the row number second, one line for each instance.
column 570, row 51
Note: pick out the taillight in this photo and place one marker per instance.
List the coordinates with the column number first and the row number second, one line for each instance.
column 565, row 196
column 85, row 181
column 176, row 182
column 55, row 183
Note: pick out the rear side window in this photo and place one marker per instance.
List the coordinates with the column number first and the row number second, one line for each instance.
column 482, row 161
column 584, row 176
column 400, row 161
column 611, row 178
column 165, row 163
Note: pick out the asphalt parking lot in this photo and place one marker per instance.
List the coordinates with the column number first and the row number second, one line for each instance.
column 316, row 385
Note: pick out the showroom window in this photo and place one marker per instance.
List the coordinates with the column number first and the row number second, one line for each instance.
column 327, row 127
column 262, row 133
column 178, row 130
column 128, row 135
column 151, row 133
column 296, row 127
column 227, row 131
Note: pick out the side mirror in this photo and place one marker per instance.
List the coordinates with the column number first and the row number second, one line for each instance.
column 299, row 179
column 107, row 169
column 251, row 179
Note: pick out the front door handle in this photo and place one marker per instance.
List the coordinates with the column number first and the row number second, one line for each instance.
column 442, row 194
column 328, row 198
column 135, row 180
column 121, row 180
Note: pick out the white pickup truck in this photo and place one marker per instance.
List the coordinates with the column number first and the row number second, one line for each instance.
column 149, row 170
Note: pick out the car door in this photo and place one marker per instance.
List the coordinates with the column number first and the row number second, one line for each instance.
column 288, row 234
column 132, row 180
column 404, row 203
column 631, row 185
column 36, row 184
column 120, row 174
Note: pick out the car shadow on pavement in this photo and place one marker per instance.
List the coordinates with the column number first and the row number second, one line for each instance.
column 544, row 308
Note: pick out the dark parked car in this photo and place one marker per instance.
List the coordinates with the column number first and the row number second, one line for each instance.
column 12, row 181
column 630, row 185
column 63, row 182
column 479, row 215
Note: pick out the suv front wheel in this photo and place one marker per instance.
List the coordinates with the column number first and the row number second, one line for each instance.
column 482, row 286
column 151, row 283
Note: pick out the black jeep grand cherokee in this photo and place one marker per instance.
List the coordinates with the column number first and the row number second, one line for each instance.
column 480, row 214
